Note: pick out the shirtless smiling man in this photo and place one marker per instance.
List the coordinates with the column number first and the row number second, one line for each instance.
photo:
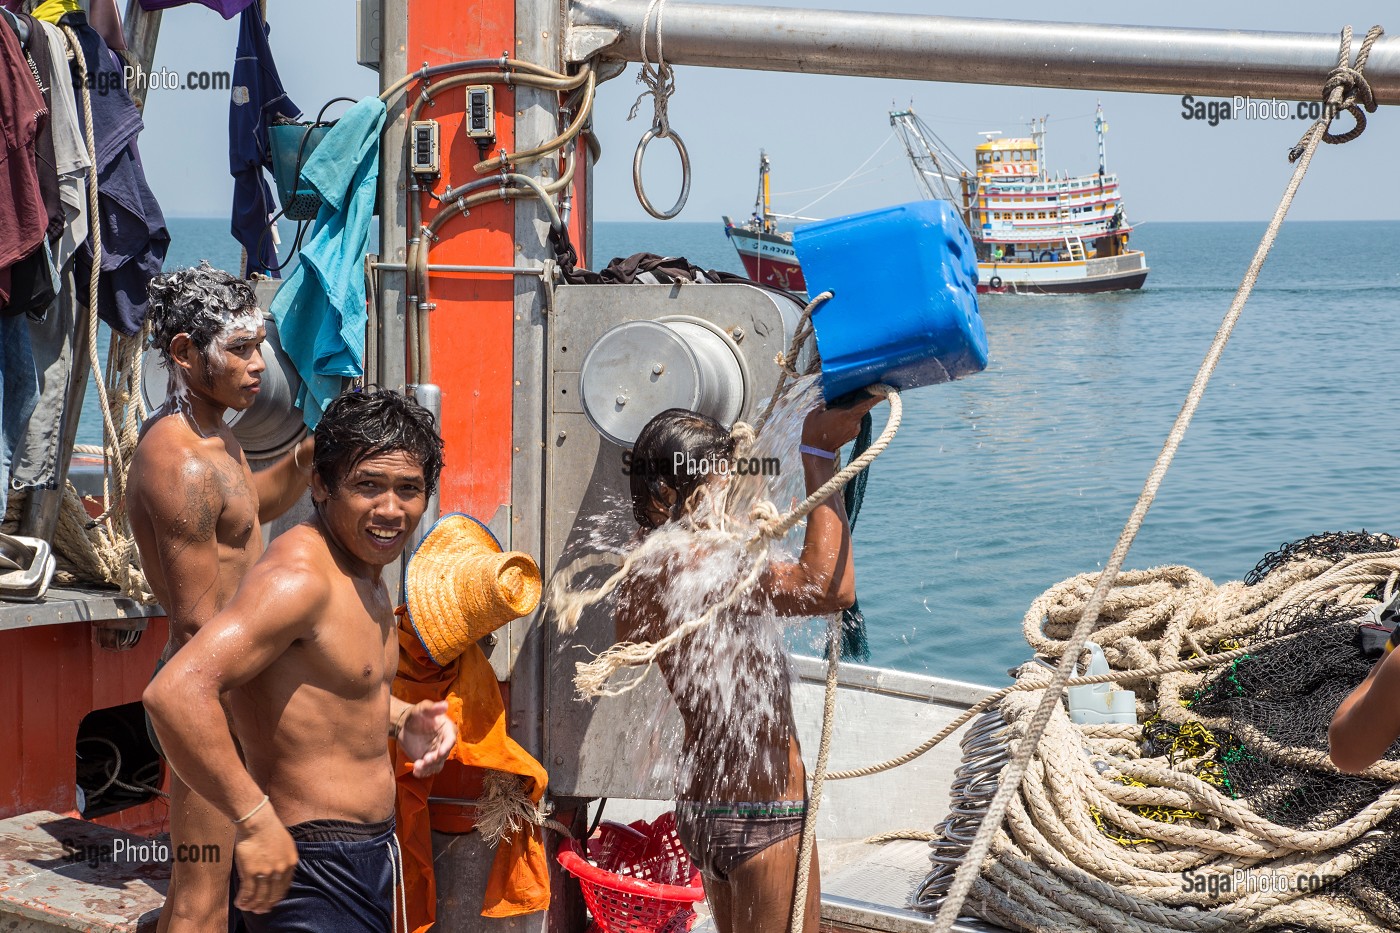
column 305, row 653
column 197, row 510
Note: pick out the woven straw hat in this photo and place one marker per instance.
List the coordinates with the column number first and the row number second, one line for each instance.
column 459, row 586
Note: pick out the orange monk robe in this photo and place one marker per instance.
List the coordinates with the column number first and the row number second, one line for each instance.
column 519, row 881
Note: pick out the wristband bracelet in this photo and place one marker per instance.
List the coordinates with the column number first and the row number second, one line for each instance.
column 817, row 452
column 396, row 726
column 249, row 815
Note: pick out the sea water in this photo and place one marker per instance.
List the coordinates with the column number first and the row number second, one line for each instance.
column 1004, row 483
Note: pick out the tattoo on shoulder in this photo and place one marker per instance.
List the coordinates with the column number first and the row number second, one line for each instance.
column 199, row 511
column 204, row 495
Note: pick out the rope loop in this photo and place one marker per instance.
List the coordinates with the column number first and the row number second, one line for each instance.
column 1345, row 90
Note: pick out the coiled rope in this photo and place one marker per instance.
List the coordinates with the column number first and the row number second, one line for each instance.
column 1058, row 863
column 1342, row 86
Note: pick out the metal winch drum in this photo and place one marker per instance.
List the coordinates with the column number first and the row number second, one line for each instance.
column 641, row 368
column 715, row 359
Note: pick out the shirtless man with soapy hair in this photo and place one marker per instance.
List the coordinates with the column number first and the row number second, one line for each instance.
column 197, row 511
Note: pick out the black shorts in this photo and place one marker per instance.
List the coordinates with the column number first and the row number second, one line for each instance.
column 344, row 881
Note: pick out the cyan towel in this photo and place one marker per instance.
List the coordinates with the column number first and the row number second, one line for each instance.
column 320, row 309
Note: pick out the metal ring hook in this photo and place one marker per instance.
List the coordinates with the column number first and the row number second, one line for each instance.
column 647, row 137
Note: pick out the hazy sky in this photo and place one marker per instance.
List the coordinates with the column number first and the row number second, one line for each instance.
column 818, row 129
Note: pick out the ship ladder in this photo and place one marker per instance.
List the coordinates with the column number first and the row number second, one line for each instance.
column 1076, row 248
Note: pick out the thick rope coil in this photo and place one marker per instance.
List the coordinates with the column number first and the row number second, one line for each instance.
column 1016, row 770
column 1100, row 837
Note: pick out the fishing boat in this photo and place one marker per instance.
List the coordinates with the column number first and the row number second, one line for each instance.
column 523, row 452
column 766, row 251
column 1035, row 232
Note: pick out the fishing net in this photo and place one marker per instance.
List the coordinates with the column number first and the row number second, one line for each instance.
column 1220, row 808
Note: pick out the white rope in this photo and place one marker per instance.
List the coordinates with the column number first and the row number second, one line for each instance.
column 798, row 916
column 660, row 80
column 837, row 187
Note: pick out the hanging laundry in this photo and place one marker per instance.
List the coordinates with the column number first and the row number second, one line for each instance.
column 70, row 151
column 51, row 11
column 228, row 9
column 103, row 16
column 35, row 458
column 38, row 54
column 134, row 238
column 257, row 97
column 320, row 309
column 19, row 390
column 23, row 114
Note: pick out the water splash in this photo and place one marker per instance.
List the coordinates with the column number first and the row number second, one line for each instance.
column 730, row 679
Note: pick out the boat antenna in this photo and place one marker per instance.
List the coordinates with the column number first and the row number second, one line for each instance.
column 1038, row 137
column 1101, row 127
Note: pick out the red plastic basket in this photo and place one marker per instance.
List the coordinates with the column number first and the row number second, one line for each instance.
column 637, row 878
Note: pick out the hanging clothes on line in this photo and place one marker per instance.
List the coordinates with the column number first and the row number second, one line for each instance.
column 320, row 310
column 70, row 150
column 24, row 116
column 23, row 222
column 134, row 237
column 258, row 97
column 102, row 14
column 35, row 461
column 33, row 281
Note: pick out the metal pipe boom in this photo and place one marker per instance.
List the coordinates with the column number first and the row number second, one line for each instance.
column 1157, row 60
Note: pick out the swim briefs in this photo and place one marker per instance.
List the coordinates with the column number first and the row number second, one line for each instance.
column 720, row 836
column 150, row 729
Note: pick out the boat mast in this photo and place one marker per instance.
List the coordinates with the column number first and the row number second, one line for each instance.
column 761, row 206
column 933, row 161
column 1100, row 127
column 1038, row 137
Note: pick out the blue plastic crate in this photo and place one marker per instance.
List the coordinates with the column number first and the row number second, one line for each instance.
column 904, row 309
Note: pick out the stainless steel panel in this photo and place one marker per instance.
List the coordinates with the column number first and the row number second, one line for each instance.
column 589, row 745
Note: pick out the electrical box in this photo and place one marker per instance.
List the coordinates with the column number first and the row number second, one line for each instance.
column 481, row 114
column 369, row 25
column 425, row 154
